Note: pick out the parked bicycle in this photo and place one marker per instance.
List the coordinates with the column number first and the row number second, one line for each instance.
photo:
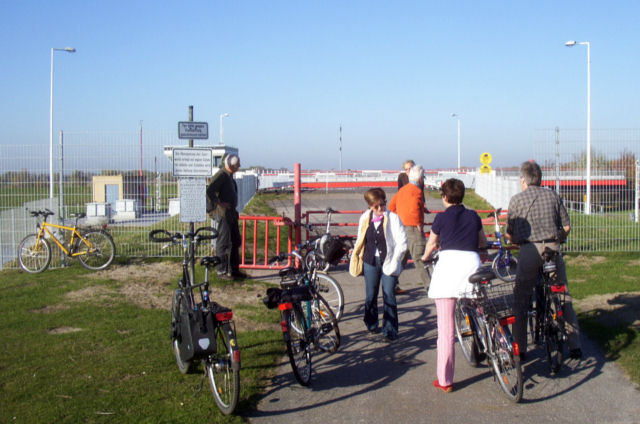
column 504, row 263
column 201, row 329
column 323, row 283
column 482, row 319
column 546, row 318
column 306, row 319
column 94, row 248
column 326, row 249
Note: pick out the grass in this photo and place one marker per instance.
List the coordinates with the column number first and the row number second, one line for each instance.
column 118, row 366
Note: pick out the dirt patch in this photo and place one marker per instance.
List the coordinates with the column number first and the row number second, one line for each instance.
column 634, row 262
column 151, row 286
column 63, row 330
column 613, row 309
column 99, row 293
column 50, row 309
column 584, row 261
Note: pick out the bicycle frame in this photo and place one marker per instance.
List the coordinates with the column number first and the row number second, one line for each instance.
column 44, row 228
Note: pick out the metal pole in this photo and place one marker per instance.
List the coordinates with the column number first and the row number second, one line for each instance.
column 458, row 144
column 297, row 202
column 588, row 205
column 637, row 191
column 557, row 161
column 61, row 213
column 340, row 147
column 192, row 269
column 51, row 131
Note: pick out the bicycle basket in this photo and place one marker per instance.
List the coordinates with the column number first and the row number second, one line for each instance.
column 196, row 338
column 331, row 249
column 500, row 298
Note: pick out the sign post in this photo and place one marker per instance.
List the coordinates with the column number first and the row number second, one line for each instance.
column 192, row 166
column 485, row 159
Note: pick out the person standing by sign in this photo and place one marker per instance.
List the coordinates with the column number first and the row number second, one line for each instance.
column 222, row 196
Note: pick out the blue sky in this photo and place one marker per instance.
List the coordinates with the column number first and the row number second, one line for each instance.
column 290, row 72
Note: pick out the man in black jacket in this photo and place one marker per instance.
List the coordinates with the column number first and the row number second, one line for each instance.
column 222, row 194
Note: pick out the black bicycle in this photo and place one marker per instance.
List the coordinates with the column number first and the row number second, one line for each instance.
column 326, row 249
column 482, row 319
column 546, row 318
column 307, row 320
column 201, row 329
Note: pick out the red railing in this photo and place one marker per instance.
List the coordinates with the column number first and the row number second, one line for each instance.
column 260, row 254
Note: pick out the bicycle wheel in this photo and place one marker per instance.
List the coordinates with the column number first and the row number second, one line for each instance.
column 98, row 251
column 554, row 337
column 34, row 254
column 177, row 303
column 465, row 330
column 298, row 348
column 330, row 291
column 223, row 369
column 505, row 265
column 506, row 365
column 325, row 326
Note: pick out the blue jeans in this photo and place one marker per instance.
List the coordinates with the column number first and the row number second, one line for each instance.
column 372, row 277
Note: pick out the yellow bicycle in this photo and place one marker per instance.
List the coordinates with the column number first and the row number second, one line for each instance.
column 94, row 248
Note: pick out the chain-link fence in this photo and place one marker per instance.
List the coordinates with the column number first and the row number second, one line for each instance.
column 612, row 224
column 121, row 179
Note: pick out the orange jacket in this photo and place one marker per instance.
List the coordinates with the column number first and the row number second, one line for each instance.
column 408, row 204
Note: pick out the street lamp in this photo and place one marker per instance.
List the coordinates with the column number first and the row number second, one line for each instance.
column 223, row 115
column 587, row 208
column 453, row 115
column 68, row 50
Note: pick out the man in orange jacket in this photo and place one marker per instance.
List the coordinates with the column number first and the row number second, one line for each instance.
column 409, row 204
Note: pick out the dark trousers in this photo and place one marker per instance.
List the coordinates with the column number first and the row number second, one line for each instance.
column 228, row 244
column 527, row 275
column 373, row 276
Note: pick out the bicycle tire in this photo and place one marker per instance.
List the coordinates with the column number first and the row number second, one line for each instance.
column 506, row 365
column 554, row 340
column 223, row 369
column 34, row 255
column 331, row 292
column 505, row 267
column 466, row 333
column 177, row 302
column 100, row 251
column 325, row 326
column 298, row 347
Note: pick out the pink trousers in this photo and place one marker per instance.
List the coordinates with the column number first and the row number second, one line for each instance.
column 445, row 310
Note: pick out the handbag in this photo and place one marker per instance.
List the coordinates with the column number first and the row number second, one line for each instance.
column 356, row 264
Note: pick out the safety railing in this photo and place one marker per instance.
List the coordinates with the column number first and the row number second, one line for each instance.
column 267, row 235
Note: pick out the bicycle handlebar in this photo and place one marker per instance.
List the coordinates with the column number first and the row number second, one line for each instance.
column 155, row 237
column 46, row 212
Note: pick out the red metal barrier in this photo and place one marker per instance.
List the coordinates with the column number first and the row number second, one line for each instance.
column 274, row 222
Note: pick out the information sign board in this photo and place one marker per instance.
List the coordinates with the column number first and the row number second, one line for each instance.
column 193, row 199
column 192, row 162
column 193, row 130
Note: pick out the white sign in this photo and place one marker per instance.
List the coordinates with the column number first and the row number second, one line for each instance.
column 193, row 130
column 193, row 199
column 192, row 162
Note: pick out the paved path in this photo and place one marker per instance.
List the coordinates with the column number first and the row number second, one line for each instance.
column 369, row 381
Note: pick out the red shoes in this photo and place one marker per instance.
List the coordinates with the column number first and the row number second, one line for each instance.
column 446, row 389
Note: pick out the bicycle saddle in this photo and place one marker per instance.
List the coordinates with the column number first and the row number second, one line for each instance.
column 210, row 261
column 482, row 275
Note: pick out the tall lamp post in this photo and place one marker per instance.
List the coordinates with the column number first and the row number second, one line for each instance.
column 223, row 115
column 587, row 206
column 68, row 50
column 453, row 115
